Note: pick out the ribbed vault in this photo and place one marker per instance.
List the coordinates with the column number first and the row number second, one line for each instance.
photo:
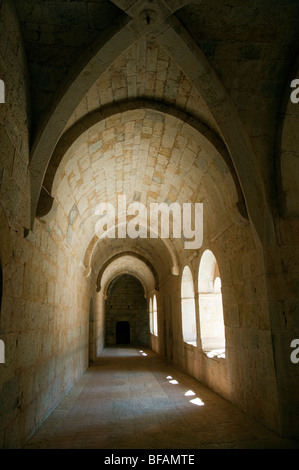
column 158, row 60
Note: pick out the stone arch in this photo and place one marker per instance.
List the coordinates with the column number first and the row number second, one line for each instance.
column 192, row 61
column 169, row 251
column 189, row 57
column 97, row 59
column 172, row 36
column 211, row 140
column 127, row 264
column 134, row 255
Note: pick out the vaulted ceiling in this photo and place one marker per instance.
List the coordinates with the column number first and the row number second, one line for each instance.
column 146, row 118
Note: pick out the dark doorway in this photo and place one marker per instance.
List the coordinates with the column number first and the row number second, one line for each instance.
column 122, row 332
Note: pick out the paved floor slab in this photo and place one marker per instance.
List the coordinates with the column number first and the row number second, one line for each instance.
column 132, row 399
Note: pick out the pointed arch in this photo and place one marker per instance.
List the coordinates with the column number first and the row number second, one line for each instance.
column 189, row 57
column 210, row 139
column 172, row 36
column 102, row 54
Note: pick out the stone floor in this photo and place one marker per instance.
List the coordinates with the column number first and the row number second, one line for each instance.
column 131, row 399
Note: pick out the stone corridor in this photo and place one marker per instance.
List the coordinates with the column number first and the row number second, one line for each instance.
column 149, row 195
column 131, row 399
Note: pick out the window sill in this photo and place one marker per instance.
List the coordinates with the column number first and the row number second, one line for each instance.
column 190, row 345
column 215, row 353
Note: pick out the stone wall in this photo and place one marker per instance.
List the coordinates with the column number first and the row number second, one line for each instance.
column 14, row 119
column 282, row 282
column 247, row 374
column 43, row 319
column 44, row 323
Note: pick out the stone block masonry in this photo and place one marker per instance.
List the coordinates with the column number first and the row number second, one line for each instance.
column 126, row 302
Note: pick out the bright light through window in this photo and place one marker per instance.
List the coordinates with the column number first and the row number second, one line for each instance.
column 190, row 393
column 188, row 307
column 197, row 401
column 210, row 306
column 155, row 316
column 151, row 316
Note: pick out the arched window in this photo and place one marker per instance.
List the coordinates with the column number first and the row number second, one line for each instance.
column 210, row 306
column 155, row 316
column 188, row 307
column 151, row 320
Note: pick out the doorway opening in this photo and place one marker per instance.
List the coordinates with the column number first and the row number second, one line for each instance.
column 122, row 332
